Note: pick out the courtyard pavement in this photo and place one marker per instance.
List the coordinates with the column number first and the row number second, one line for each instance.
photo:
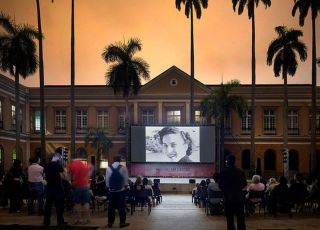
column 175, row 212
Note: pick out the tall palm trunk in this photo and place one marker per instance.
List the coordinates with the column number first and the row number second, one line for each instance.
column 17, row 112
column 41, row 76
column 221, row 154
column 127, row 129
column 96, row 162
column 285, row 121
column 313, row 160
column 253, row 89
column 192, row 71
column 72, row 105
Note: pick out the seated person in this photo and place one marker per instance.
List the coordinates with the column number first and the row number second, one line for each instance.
column 279, row 200
column 202, row 192
column 298, row 191
column 139, row 192
column 194, row 194
column 271, row 185
column 255, row 186
column 144, row 181
column 157, row 192
column 150, row 191
column 215, row 196
column 314, row 193
column 100, row 188
column 138, row 183
column 214, row 190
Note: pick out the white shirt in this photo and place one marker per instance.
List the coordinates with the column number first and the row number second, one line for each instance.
column 35, row 173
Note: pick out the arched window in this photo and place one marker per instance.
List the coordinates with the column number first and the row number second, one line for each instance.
column 226, row 153
column 258, row 167
column 16, row 154
column 81, row 153
column 245, row 159
column 293, row 160
column 269, row 160
column 37, row 152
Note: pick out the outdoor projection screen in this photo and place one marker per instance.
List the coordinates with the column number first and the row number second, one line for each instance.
column 178, row 144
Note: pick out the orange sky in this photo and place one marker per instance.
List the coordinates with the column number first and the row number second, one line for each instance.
column 222, row 38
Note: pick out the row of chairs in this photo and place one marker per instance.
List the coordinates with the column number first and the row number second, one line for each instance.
column 143, row 197
column 211, row 201
column 262, row 201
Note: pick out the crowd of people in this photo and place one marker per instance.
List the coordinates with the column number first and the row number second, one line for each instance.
column 74, row 186
column 230, row 193
column 277, row 196
column 77, row 187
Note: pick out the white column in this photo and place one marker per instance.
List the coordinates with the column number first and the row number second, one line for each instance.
column 160, row 112
column 135, row 112
column 187, row 112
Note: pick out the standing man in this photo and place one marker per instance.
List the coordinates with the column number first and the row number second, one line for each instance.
column 232, row 182
column 54, row 191
column 79, row 172
column 117, row 181
column 36, row 188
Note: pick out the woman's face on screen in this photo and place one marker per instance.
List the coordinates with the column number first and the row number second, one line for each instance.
column 174, row 146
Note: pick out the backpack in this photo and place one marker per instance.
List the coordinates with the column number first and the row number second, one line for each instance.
column 116, row 179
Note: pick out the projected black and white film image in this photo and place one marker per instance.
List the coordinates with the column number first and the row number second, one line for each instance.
column 172, row 144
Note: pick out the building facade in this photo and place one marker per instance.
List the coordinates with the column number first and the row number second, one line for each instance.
column 163, row 100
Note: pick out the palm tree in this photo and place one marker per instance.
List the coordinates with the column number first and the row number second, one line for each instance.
column 251, row 4
column 303, row 6
column 189, row 5
column 218, row 105
column 18, row 56
column 97, row 138
column 125, row 74
column 282, row 53
column 41, row 78
column 72, row 80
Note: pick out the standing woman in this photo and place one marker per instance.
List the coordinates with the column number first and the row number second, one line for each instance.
column 15, row 186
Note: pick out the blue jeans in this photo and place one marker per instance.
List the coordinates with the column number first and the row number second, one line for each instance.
column 36, row 192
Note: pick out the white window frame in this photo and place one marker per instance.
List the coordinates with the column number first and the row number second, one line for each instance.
column 36, row 121
column 147, row 116
column 81, row 119
column 174, row 116
column 246, row 121
column 13, row 117
column 269, row 121
column 103, row 119
column 293, row 121
column 317, row 121
column 122, row 119
column 60, row 120
column 198, row 119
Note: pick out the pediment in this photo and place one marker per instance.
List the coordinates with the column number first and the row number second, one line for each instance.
column 173, row 81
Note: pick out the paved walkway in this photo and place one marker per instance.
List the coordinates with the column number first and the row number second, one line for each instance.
column 177, row 212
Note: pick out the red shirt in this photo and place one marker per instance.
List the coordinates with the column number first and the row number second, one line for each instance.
column 79, row 174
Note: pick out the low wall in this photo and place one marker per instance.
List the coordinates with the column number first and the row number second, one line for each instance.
column 176, row 188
